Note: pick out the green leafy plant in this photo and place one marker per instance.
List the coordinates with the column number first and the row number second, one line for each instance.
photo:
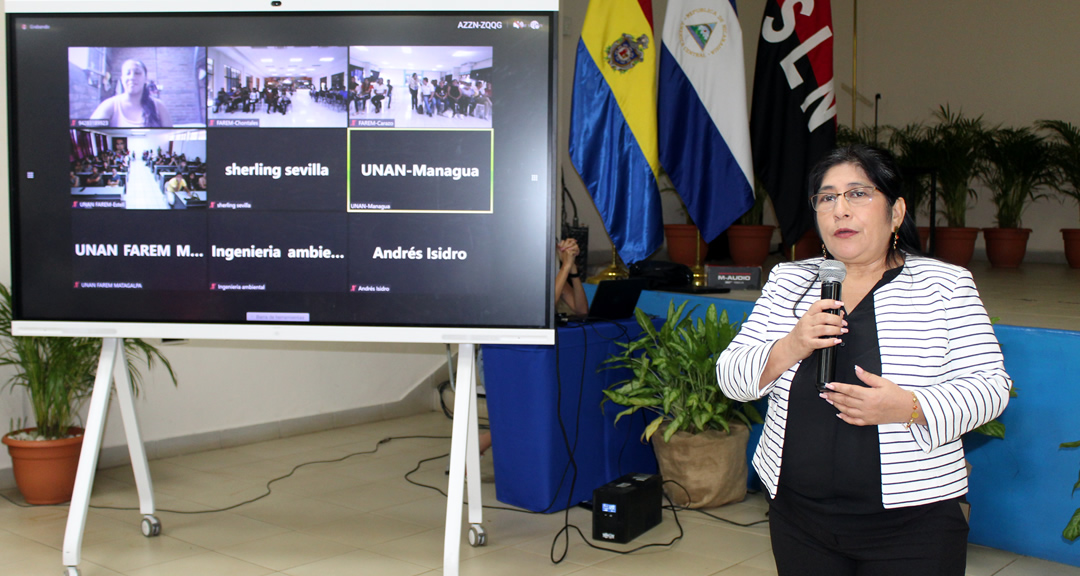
column 847, row 136
column 1016, row 167
column 1064, row 156
column 913, row 147
column 756, row 214
column 58, row 373
column 1072, row 529
column 674, row 374
column 955, row 143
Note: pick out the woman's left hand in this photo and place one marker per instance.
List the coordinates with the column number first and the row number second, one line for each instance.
column 882, row 403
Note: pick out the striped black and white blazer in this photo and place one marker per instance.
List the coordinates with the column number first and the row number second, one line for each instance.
column 935, row 340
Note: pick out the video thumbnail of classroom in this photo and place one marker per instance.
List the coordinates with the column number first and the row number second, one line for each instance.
column 276, row 86
column 138, row 169
column 419, row 86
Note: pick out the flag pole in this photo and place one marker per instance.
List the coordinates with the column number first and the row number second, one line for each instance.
column 854, row 58
column 616, row 271
column 698, row 270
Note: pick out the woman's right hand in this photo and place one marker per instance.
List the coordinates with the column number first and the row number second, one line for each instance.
column 816, row 329
column 813, row 330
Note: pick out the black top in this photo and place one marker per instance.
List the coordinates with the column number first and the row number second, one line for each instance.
column 830, row 466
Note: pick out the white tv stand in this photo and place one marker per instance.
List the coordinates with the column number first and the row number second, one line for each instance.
column 112, row 369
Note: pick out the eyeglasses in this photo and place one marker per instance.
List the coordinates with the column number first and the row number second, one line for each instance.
column 826, row 201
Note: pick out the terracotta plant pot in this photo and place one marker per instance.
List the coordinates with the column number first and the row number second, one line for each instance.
column 807, row 247
column 45, row 469
column 680, row 244
column 924, row 238
column 749, row 245
column 955, row 245
column 1005, row 247
column 1072, row 246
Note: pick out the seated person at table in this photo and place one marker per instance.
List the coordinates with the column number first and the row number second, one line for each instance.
column 197, row 181
column 569, row 293
column 134, row 107
column 74, row 180
column 111, row 179
column 175, row 185
column 94, row 179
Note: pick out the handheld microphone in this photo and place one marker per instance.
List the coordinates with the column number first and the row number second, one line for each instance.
column 831, row 274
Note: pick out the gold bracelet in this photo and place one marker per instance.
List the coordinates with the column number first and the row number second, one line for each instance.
column 914, row 411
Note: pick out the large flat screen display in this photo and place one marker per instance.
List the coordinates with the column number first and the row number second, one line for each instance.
column 314, row 172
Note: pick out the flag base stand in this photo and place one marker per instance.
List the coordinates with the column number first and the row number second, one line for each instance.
column 701, row 278
column 616, row 271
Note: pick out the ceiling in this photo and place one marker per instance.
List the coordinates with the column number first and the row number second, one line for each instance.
column 263, row 61
column 419, row 58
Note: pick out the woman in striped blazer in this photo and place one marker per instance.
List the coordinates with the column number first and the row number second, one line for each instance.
column 866, row 475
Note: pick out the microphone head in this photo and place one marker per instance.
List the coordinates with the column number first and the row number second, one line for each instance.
column 832, row 271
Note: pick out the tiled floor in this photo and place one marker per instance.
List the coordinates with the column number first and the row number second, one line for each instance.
column 359, row 516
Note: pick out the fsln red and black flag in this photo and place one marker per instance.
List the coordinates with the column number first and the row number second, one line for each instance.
column 793, row 112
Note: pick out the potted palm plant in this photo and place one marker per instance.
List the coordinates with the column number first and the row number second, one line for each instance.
column 866, row 135
column 1016, row 168
column 913, row 149
column 749, row 239
column 1065, row 155
column 955, row 142
column 58, row 374
column 699, row 435
column 684, row 242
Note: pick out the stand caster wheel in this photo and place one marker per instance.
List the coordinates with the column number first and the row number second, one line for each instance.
column 477, row 536
column 71, row 571
column 151, row 526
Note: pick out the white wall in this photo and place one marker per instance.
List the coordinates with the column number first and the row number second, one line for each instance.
column 1010, row 60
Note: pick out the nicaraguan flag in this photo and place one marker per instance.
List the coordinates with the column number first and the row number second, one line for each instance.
column 613, row 123
column 704, row 132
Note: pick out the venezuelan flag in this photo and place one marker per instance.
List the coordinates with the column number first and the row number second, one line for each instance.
column 613, row 137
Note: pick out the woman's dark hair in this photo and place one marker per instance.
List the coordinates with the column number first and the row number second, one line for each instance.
column 884, row 174
column 149, row 109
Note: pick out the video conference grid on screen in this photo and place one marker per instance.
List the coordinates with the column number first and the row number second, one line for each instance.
column 349, row 184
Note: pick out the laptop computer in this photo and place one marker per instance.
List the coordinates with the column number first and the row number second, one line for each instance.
column 614, row 300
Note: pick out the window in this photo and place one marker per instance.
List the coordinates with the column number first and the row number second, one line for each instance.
column 211, row 91
column 232, row 78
